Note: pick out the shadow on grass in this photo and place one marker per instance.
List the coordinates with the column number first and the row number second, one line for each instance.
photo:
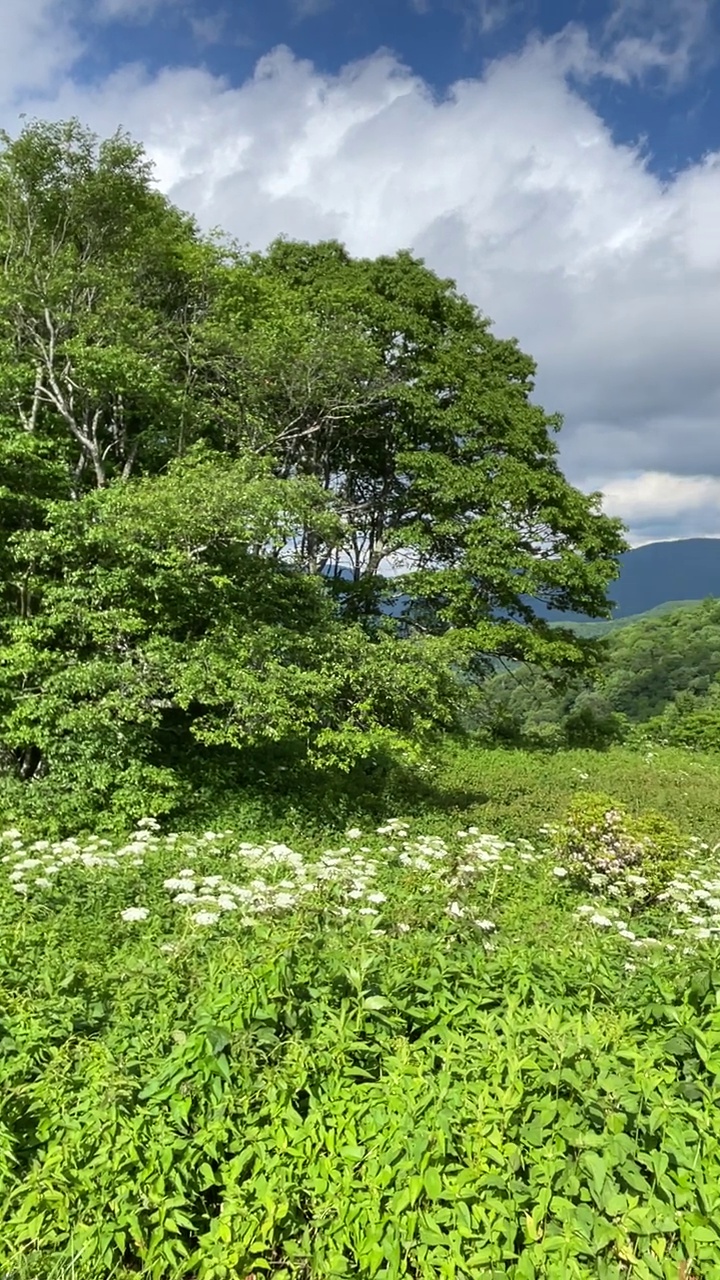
column 262, row 792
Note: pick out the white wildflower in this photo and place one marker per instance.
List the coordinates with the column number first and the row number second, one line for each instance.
column 135, row 913
column 560, row 872
column 284, row 900
column 205, row 917
column 226, row 903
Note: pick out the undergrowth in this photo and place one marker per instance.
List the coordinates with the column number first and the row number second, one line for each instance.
column 416, row 1051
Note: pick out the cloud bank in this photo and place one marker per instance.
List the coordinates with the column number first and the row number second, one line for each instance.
column 511, row 183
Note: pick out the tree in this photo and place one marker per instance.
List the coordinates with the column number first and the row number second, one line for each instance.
column 160, row 618
column 591, row 722
column 452, row 471
column 203, row 442
column 97, row 272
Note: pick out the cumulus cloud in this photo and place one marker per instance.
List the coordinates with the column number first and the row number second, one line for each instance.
column 513, row 185
column 655, row 501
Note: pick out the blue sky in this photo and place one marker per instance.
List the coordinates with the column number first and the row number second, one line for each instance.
column 674, row 108
column 560, row 160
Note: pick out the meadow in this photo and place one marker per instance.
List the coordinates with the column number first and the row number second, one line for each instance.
column 452, row 1043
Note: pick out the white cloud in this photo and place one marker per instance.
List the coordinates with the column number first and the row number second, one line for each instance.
column 310, row 8
column 485, row 16
column 669, row 36
column 38, row 43
column 514, row 186
column 659, row 494
column 211, row 28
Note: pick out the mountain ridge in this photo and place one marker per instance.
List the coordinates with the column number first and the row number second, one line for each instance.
column 681, row 571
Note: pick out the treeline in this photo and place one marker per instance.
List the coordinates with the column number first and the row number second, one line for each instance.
column 194, row 441
column 659, row 678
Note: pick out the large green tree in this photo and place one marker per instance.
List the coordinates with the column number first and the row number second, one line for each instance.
column 219, row 466
column 451, row 471
column 98, row 272
column 161, row 619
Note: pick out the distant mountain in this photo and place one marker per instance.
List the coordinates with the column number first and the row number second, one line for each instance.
column 657, row 574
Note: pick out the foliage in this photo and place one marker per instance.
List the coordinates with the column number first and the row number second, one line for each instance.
column 164, row 619
column 660, row 670
column 591, row 722
column 214, row 461
column 455, row 434
column 602, row 846
column 652, row 663
column 404, row 1055
column 98, row 268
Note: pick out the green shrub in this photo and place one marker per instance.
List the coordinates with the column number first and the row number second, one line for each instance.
column 605, row 848
column 592, row 723
column 699, row 730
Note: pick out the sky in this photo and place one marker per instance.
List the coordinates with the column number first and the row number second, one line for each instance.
column 559, row 160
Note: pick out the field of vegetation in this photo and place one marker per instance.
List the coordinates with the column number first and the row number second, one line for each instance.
column 327, row 949
column 478, row 1038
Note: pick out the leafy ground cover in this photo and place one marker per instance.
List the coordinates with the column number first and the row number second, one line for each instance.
column 431, row 1046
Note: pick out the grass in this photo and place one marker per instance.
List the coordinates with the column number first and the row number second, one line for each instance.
column 290, row 1050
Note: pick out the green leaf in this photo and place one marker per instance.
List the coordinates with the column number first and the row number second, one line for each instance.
column 432, row 1183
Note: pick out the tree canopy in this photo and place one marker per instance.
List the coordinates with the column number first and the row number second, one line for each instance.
column 218, row 469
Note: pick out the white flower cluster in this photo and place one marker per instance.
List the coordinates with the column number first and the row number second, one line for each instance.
column 609, row 918
column 252, row 881
column 695, row 898
column 480, row 853
column 37, row 864
column 607, row 858
column 286, row 880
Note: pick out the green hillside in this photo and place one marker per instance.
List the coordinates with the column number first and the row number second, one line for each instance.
column 604, row 627
column 660, row 670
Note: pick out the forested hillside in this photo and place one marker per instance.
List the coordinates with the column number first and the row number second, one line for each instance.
column 659, row 672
